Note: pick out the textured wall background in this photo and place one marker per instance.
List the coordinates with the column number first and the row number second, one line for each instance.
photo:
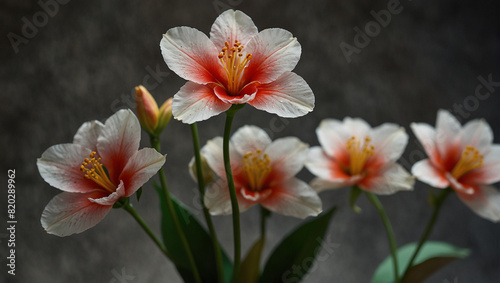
column 83, row 61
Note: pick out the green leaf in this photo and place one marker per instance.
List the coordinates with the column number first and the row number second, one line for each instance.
column 250, row 267
column 432, row 257
column 139, row 194
column 292, row 258
column 198, row 239
column 355, row 193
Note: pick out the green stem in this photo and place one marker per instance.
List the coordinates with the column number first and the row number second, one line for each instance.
column 155, row 142
column 264, row 214
column 388, row 228
column 208, row 218
column 145, row 227
column 437, row 206
column 232, row 192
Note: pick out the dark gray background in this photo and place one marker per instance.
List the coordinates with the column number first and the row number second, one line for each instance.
column 83, row 63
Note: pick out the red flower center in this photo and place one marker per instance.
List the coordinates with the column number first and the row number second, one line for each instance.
column 358, row 154
column 234, row 64
column 471, row 159
column 256, row 166
column 95, row 171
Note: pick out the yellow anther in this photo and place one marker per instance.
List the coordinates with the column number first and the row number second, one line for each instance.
column 358, row 154
column 256, row 166
column 471, row 159
column 97, row 173
column 234, row 64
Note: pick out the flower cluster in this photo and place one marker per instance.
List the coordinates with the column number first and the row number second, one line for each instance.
column 238, row 65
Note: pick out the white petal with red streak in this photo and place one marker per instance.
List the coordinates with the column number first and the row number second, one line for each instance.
column 288, row 96
column 195, row 102
column 324, row 166
column 485, row 203
column 293, row 198
column 70, row 213
column 119, row 140
column 111, row 198
column 214, row 156
column 222, row 95
column 319, row 184
column 447, row 133
column 333, row 136
column 230, row 26
column 87, row 134
column 274, row 52
column 143, row 165
column 249, row 139
column 287, row 156
column 60, row 165
column 426, row 172
column 489, row 173
column 191, row 55
column 391, row 179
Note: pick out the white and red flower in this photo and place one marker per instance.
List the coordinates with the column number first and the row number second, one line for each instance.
column 353, row 153
column 462, row 158
column 102, row 165
column 263, row 172
column 236, row 65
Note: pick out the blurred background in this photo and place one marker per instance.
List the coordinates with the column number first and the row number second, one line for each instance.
column 67, row 62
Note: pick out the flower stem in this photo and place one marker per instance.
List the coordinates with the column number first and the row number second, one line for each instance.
column 208, row 218
column 155, row 142
column 437, row 206
column 232, row 192
column 130, row 209
column 390, row 233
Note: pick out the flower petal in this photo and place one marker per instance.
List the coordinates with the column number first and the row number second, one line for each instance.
column 426, row 172
column 319, row 184
column 87, row 134
column 119, row 140
column 323, row 166
column 287, row 156
column 389, row 180
column 390, row 141
column 60, row 165
column 218, row 201
column 214, row 155
column 293, row 198
column 288, row 96
column 195, row 102
column 192, row 55
column 111, row 198
column 143, row 165
column 426, row 135
column 477, row 133
column 274, row 52
column 447, row 139
column 485, row 202
column 230, row 26
column 248, row 94
column 249, row 139
column 333, row 136
column 70, row 213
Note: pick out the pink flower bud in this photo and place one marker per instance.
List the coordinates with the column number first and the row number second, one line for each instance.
column 147, row 109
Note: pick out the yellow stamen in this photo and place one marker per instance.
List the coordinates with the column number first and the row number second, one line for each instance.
column 358, row 154
column 234, row 64
column 97, row 173
column 471, row 159
column 256, row 166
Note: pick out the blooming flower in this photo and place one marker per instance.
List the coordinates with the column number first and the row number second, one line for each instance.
column 236, row 65
column 462, row 158
column 263, row 172
column 98, row 168
column 353, row 153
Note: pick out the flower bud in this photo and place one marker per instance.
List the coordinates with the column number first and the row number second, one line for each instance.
column 147, row 109
column 208, row 173
column 164, row 115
